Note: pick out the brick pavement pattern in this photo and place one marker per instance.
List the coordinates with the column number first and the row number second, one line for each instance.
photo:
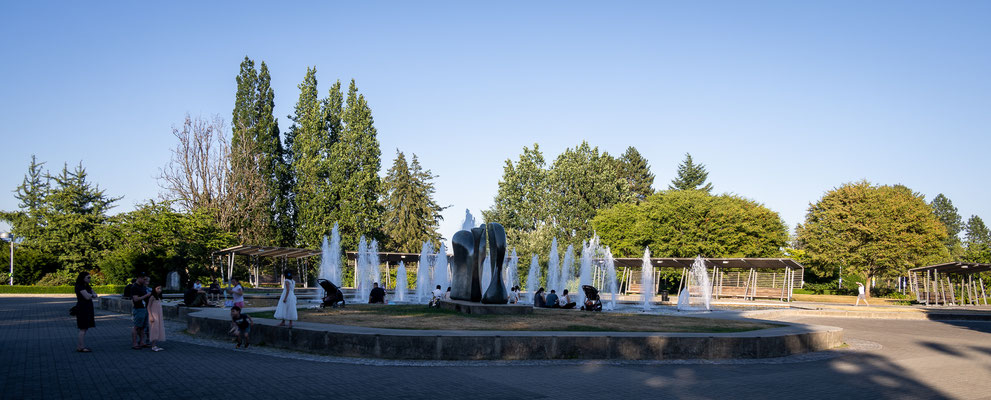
column 917, row 359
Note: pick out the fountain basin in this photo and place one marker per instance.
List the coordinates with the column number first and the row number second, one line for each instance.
column 468, row 307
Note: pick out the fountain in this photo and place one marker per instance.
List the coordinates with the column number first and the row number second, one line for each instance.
column 441, row 273
column 590, row 252
column 468, row 222
column 553, row 267
column 361, row 283
column 697, row 294
column 486, row 272
column 423, row 276
column 374, row 274
column 647, row 287
column 533, row 278
column 512, row 270
column 330, row 261
column 401, row 282
column 610, row 284
column 566, row 278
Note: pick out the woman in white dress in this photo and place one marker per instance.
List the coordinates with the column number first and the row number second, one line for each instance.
column 286, row 309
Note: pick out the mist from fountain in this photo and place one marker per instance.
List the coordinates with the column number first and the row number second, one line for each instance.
column 423, row 275
column 532, row 279
column 330, row 261
column 590, row 252
column 697, row 295
column 553, row 267
column 647, row 287
column 401, row 282
column 610, row 284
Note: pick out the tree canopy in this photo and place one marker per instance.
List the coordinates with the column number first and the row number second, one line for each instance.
column 873, row 230
column 687, row 223
column 944, row 210
column 978, row 241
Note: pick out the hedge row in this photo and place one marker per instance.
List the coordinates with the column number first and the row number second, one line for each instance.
column 26, row 289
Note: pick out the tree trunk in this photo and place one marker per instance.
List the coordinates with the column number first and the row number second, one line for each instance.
column 868, row 284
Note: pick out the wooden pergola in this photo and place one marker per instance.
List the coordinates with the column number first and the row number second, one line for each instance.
column 282, row 254
column 747, row 278
column 938, row 283
column 286, row 254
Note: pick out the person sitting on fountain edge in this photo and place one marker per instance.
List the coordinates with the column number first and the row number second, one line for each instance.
column 194, row 297
column 538, row 299
column 565, row 301
column 435, row 297
column 377, row 294
column 551, row 300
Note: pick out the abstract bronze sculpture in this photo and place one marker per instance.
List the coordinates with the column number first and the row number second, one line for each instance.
column 469, row 259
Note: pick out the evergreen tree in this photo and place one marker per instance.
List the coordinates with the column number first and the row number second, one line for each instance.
column 257, row 149
column 691, row 176
column 947, row 214
column 354, row 173
column 978, row 240
column 28, row 224
column 308, row 146
column 411, row 216
column 522, row 200
column 635, row 174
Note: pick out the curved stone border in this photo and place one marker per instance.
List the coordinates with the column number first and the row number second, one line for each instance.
column 353, row 341
column 938, row 315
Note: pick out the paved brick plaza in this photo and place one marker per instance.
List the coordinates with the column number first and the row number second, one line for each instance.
column 915, row 359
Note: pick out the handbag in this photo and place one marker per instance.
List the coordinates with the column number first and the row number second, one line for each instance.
column 72, row 311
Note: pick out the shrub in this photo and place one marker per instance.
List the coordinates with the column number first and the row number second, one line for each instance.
column 65, row 289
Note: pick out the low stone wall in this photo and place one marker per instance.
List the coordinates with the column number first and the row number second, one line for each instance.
column 468, row 307
column 352, row 341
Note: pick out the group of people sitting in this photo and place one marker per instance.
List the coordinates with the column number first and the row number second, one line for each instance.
column 552, row 300
column 196, row 295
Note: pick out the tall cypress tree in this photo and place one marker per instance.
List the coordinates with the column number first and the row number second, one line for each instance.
column 410, row 215
column 691, row 176
column 308, row 146
column 354, row 173
column 257, row 149
column 635, row 174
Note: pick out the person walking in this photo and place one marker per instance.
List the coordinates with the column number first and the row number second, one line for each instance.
column 85, row 313
column 156, row 324
column 238, row 293
column 286, row 309
column 861, row 294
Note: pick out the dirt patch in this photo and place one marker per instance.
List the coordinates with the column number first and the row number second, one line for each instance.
column 421, row 317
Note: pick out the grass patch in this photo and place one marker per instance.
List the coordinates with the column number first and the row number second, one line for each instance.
column 422, row 317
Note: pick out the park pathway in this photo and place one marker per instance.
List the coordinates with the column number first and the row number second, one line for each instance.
column 890, row 359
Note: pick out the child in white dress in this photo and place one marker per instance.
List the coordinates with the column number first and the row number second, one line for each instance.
column 286, row 309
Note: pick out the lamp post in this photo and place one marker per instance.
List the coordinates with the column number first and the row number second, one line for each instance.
column 10, row 237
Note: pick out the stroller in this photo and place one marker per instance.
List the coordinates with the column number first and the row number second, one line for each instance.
column 333, row 295
column 592, row 302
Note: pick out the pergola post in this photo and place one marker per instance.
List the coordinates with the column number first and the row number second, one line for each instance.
column 983, row 294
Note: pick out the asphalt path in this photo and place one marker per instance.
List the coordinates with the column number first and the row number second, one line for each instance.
column 901, row 359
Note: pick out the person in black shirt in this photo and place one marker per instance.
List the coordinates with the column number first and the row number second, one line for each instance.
column 377, row 294
column 85, row 315
column 538, row 299
column 195, row 298
column 139, row 314
column 240, row 326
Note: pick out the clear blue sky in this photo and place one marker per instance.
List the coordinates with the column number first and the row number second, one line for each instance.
column 782, row 101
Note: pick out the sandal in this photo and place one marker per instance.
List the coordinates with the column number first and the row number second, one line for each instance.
column 84, row 350
column 146, row 346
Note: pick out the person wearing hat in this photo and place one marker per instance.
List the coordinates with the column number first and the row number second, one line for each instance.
column 861, row 294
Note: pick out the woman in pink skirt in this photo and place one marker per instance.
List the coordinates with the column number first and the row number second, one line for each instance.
column 156, row 324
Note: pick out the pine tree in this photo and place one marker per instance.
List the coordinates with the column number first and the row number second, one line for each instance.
column 410, row 216
column 307, row 150
column 28, row 224
column 978, row 241
column 691, row 176
column 635, row 174
column 76, row 213
column 354, row 173
column 947, row 214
